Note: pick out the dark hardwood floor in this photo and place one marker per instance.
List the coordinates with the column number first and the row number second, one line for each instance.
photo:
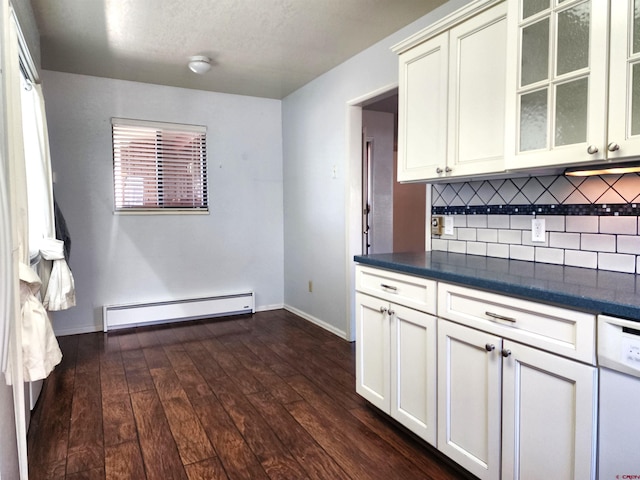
column 266, row 396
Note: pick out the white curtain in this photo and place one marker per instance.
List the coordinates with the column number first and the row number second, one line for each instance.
column 32, row 210
column 61, row 293
column 36, row 157
column 59, row 288
column 40, row 350
column 18, row 204
column 13, row 158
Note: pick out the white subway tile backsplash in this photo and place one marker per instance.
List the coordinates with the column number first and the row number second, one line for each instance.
column 521, row 252
column 616, row 262
column 521, row 222
column 477, row 221
column 553, row 223
column 510, row 236
column 619, row 225
column 498, row 221
column 439, row 244
column 564, row 240
column 598, row 242
column 590, row 223
column 582, row 224
column 477, row 248
column 549, row 255
column 457, row 246
column 489, row 235
column 459, row 220
column 628, row 244
column 468, row 234
column 578, row 258
column 499, row 250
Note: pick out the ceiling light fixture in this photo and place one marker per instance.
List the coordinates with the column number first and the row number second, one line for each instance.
column 611, row 169
column 199, row 64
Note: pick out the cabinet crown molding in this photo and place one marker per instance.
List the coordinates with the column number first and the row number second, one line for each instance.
column 444, row 24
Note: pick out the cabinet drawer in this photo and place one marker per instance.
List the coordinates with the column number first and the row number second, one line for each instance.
column 558, row 330
column 414, row 292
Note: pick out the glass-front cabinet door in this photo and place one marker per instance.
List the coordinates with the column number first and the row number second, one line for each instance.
column 624, row 80
column 556, row 82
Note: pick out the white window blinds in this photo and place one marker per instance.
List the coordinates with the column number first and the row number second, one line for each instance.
column 159, row 166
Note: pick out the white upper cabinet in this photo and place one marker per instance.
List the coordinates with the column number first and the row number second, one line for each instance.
column 477, row 82
column 624, row 81
column 556, row 82
column 422, row 110
column 452, row 82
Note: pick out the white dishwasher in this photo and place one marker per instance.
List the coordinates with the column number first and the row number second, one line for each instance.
column 619, row 417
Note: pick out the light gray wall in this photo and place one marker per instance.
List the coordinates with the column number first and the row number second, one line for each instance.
column 119, row 259
column 315, row 133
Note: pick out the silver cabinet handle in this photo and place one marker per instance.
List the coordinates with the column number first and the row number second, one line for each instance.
column 506, row 353
column 389, row 287
column 439, row 170
column 391, row 313
column 500, row 317
column 383, row 309
column 489, row 347
column 448, row 169
column 613, row 146
column 591, row 149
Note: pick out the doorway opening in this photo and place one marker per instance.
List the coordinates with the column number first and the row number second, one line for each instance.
column 393, row 214
column 402, row 209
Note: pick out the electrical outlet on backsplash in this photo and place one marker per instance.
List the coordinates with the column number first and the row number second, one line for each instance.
column 590, row 222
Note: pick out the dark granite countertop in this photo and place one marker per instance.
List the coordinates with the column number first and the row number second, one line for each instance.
column 597, row 291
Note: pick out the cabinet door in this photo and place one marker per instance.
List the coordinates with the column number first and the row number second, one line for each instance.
column 477, row 82
column 469, row 370
column 422, row 110
column 556, row 82
column 413, row 371
column 549, row 411
column 624, row 86
column 372, row 351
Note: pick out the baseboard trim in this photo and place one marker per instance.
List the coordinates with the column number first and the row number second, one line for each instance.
column 64, row 332
column 317, row 321
column 264, row 308
column 267, row 308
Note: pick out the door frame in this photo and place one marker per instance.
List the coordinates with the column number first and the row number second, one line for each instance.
column 353, row 193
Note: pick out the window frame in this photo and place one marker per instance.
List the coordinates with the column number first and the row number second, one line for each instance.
column 156, row 204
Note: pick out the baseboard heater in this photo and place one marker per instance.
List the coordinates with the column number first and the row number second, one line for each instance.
column 138, row 314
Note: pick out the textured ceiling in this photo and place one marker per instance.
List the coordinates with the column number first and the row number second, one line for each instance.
column 266, row 48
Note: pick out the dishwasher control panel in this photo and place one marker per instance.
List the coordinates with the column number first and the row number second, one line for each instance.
column 619, row 344
column 631, row 350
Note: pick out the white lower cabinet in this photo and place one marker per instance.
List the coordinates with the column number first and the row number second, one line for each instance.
column 396, row 362
column 505, row 387
column 506, row 410
column 548, row 415
column 469, row 403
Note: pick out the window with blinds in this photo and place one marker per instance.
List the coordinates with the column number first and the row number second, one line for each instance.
column 159, row 167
